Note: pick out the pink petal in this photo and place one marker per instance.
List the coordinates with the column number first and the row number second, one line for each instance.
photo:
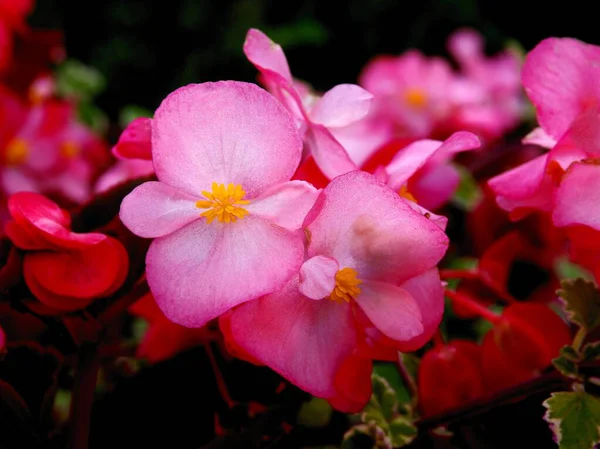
column 202, row 270
column 154, row 209
column 135, row 141
column 341, row 106
column 391, row 309
column 329, row 154
column 524, row 187
column 317, row 277
column 562, row 78
column 224, row 132
column 365, row 225
column 439, row 220
column 435, row 186
column 428, row 293
column 581, row 139
column 286, row 204
column 413, row 157
column 540, row 138
column 578, row 197
column 305, row 341
column 266, row 54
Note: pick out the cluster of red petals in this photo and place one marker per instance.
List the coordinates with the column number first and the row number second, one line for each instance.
column 522, row 343
column 64, row 270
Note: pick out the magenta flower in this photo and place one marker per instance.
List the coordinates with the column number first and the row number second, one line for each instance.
column 364, row 244
column 423, row 171
column 318, row 118
column 226, row 223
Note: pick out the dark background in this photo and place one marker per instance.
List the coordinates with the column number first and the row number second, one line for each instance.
column 147, row 48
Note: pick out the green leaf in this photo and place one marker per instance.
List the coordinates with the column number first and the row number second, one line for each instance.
column 73, row 78
column 574, row 418
column 389, row 371
column 570, row 353
column 591, row 351
column 366, row 436
column 566, row 367
column 315, row 413
column 384, row 397
column 565, row 269
column 468, row 195
column 92, row 116
column 402, row 431
column 582, row 302
column 130, row 112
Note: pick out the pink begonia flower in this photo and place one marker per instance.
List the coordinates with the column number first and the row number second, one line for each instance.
column 423, row 171
column 412, row 91
column 121, row 171
column 369, row 264
column 560, row 77
column 225, row 221
column 52, row 152
column 318, row 118
column 164, row 339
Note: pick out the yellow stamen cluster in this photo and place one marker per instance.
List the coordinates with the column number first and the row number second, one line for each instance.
column 16, row 152
column 223, row 203
column 346, row 285
column 404, row 193
column 416, row 98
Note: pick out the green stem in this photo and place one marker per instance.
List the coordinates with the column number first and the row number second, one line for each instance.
column 579, row 338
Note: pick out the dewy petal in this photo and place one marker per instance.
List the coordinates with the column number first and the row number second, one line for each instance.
column 305, row 341
column 367, row 226
column 428, row 293
column 266, row 54
column 391, row 309
column 136, row 140
column 341, row 106
column 202, row 270
column 329, row 154
column 561, row 76
column 286, row 204
column 224, row 132
column 155, row 209
column 317, row 277
column 578, row 197
column 540, row 138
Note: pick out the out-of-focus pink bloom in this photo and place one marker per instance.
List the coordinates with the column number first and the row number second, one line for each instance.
column 318, row 118
column 164, row 339
column 422, row 169
column 225, row 221
column 421, row 96
column 52, row 152
column 64, row 270
column 135, row 141
column 369, row 274
column 411, row 91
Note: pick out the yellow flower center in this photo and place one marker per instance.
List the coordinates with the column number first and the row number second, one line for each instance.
column 346, row 285
column 69, row 149
column 223, row 203
column 415, row 97
column 16, row 152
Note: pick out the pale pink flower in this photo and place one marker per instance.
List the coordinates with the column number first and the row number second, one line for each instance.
column 225, row 221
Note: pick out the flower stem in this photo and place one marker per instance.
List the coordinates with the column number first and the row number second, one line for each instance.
column 82, row 397
column 221, row 385
column 476, row 275
column 473, row 306
column 579, row 338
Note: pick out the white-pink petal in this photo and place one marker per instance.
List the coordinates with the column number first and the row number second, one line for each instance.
column 155, row 209
column 202, row 270
column 330, row 156
column 317, row 277
column 341, row 106
column 286, row 204
column 266, row 54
